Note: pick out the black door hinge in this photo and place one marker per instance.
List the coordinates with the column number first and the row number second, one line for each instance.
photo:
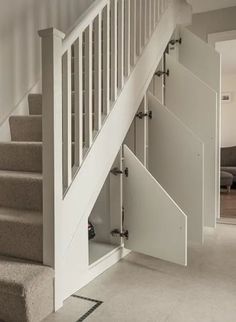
column 116, row 171
column 159, row 73
column 172, row 42
column 141, row 115
column 126, row 172
column 122, row 234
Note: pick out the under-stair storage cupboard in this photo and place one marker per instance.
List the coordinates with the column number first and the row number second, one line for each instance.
column 133, row 212
column 156, row 197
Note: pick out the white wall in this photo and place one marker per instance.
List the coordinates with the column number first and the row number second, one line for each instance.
column 213, row 21
column 20, row 43
column 228, row 112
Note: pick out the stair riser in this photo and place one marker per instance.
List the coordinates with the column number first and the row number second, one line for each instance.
column 26, row 129
column 21, row 193
column 21, row 240
column 35, row 104
column 19, row 157
column 29, row 129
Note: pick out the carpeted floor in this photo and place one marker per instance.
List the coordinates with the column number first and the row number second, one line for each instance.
column 145, row 289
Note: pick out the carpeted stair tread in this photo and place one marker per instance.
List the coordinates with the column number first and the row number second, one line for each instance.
column 21, row 190
column 26, row 290
column 21, row 234
column 21, row 156
column 35, row 104
column 26, row 128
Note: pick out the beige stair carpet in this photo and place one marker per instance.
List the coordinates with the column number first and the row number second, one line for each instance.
column 26, row 128
column 26, row 291
column 21, row 156
column 26, row 286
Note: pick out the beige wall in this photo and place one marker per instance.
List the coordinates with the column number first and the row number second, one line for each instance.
column 20, row 44
column 213, row 21
column 228, row 112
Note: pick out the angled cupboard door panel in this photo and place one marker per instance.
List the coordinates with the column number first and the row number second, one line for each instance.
column 156, row 225
column 176, row 161
column 204, row 62
column 195, row 104
column 200, row 58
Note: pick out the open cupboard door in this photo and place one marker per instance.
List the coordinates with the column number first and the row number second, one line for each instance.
column 156, row 225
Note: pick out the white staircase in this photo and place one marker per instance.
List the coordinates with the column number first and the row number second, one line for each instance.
column 113, row 50
column 95, row 80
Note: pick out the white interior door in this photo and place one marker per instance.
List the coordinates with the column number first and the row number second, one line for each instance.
column 195, row 104
column 204, row 61
column 176, row 158
column 156, row 225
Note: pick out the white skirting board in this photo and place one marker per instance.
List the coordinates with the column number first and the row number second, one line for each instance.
column 98, row 250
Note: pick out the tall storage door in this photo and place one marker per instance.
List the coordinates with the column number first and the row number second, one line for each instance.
column 200, row 58
column 204, row 62
column 156, row 225
column 176, row 161
column 195, row 104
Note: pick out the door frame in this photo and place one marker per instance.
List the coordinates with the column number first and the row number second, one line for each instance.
column 213, row 38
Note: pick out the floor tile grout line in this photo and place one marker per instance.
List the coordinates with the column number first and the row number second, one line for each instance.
column 90, row 311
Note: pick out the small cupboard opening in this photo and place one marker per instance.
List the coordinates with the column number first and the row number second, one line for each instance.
column 105, row 217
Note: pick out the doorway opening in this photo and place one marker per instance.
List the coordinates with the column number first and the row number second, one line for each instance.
column 225, row 44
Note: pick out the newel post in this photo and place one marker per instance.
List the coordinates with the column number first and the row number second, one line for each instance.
column 52, row 153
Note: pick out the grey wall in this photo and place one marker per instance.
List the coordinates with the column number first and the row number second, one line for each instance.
column 213, row 21
column 20, row 44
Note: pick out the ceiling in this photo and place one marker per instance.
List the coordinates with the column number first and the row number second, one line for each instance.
column 209, row 5
column 228, row 53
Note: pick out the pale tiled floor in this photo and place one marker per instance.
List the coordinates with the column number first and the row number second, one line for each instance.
column 144, row 289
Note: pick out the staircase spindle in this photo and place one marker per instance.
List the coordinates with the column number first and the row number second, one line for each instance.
column 148, row 18
column 88, row 87
column 78, row 105
column 153, row 10
column 127, row 39
column 66, row 118
column 113, row 56
column 143, row 24
column 162, row 6
column 106, row 59
column 157, row 11
column 138, row 27
column 120, row 51
column 133, row 35
column 98, row 73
